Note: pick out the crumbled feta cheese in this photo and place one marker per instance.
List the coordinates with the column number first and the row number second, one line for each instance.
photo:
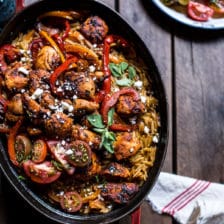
column 133, row 120
column 23, row 59
column 59, row 89
column 69, row 152
column 155, row 139
column 143, row 99
column 92, row 68
column 37, row 93
column 23, row 70
column 131, row 150
column 22, row 51
column 67, row 106
column 138, row 84
column 146, row 130
column 22, row 90
column 74, row 97
column 94, row 45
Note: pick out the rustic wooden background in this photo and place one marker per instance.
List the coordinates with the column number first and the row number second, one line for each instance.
column 191, row 65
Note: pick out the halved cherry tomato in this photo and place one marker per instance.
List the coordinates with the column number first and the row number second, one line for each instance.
column 58, row 151
column 39, row 151
column 11, row 142
column 78, row 153
column 71, row 201
column 23, row 147
column 42, row 173
column 199, row 12
column 217, row 6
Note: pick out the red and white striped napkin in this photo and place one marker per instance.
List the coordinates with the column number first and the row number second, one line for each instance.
column 188, row 200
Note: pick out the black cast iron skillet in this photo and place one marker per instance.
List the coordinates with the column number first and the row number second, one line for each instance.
column 25, row 20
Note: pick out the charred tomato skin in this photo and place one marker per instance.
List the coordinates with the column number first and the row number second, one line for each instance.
column 71, row 201
column 79, row 153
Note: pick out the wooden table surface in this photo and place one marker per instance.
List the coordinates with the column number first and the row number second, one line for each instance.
column 192, row 69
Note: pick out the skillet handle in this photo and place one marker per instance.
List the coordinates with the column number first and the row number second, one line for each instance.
column 19, row 5
column 136, row 216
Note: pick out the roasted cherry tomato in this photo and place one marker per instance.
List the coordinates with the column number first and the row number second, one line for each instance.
column 217, row 5
column 42, row 173
column 71, row 201
column 11, row 142
column 58, row 151
column 78, row 153
column 23, row 147
column 39, row 151
column 199, row 12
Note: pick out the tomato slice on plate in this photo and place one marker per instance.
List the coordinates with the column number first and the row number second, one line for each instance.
column 42, row 173
column 217, row 5
column 71, row 201
column 199, row 12
column 39, row 151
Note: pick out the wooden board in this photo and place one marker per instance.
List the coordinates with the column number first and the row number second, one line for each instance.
column 200, row 94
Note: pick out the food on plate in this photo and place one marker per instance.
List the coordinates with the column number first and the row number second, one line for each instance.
column 198, row 10
column 78, row 111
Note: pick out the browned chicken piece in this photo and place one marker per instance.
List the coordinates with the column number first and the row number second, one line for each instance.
column 58, row 124
column 128, row 107
column 9, row 116
column 33, row 131
column 15, row 105
column 47, row 100
column 39, row 79
column 79, row 133
column 95, row 167
column 35, row 112
column 116, row 170
column 126, row 145
column 84, row 106
column 94, row 29
column 47, row 59
column 79, row 84
column 99, row 205
column 16, row 77
column 119, row 192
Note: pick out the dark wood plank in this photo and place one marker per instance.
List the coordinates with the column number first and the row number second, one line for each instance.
column 159, row 43
column 200, row 112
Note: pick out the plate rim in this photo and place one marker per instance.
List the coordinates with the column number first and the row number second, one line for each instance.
column 212, row 24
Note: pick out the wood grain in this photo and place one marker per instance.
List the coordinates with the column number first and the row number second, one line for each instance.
column 200, row 95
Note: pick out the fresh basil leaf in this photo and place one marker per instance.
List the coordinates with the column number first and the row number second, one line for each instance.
column 95, row 120
column 115, row 70
column 131, row 72
column 124, row 82
column 110, row 116
column 110, row 135
column 99, row 130
column 123, row 65
column 102, row 139
column 108, row 145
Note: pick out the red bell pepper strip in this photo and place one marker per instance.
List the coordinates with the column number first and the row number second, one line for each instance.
column 121, row 127
column 60, row 70
column 59, row 41
column 106, row 51
column 11, row 142
column 67, row 30
column 34, row 47
column 110, row 101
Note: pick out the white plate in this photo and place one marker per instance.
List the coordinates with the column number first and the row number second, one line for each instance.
column 182, row 18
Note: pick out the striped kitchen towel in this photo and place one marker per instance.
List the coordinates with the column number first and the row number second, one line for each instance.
column 188, row 200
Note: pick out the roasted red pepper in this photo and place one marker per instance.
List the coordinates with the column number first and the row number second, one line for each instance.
column 60, row 70
column 110, row 101
column 11, row 142
column 67, row 30
column 121, row 127
column 110, row 39
column 34, row 47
